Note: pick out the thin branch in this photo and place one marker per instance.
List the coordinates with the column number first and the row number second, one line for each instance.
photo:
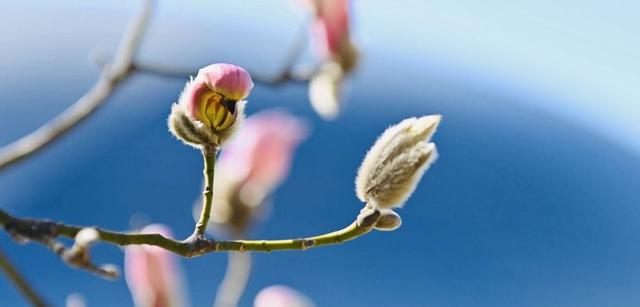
column 25, row 230
column 286, row 75
column 235, row 280
column 20, row 282
column 110, row 78
column 209, row 157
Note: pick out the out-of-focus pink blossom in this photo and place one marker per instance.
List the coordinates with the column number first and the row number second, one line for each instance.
column 211, row 97
column 281, row 296
column 251, row 167
column 339, row 56
column 262, row 150
column 153, row 275
column 331, row 26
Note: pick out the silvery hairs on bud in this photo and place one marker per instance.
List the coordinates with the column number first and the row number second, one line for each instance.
column 86, row 237
column 325, row 90
column 193, row 132
column 395, row 164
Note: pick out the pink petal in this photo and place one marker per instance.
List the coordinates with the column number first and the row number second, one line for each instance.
column 331, row 27
column 152, row 273
column 229, row 80
column 262, row 151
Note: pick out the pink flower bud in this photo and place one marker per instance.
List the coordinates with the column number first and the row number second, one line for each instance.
column 152, row 273
column 331, row 28
column 228, row 80
column 330, row 32
column 212, row 96
column 281, row 296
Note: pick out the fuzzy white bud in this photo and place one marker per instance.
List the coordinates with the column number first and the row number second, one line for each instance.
column 395, row 164
column 325, row 90
column 85, row 237
column 197, row 134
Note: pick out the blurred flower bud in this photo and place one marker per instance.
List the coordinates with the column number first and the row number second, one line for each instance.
column 325, row 90
column 339, row 56
column 388, row 221
column 281, row 296
column 253, row 164
column 263, row 150
column 85, row 237
column 396, row 162
column 331, row 33
column 211, row 105
column 153, row 275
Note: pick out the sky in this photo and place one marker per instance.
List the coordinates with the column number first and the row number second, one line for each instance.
column 533, row 201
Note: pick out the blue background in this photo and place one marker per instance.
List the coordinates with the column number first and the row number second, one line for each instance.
column 533, row 201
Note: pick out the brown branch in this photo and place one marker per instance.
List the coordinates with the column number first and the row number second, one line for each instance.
column 111, row 77
column 20, row 282
column 286, row 75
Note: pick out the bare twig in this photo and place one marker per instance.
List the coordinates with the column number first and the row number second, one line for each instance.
column 20, row 282
column 78, row 257
column 25, row 230
column 111, row 77
column 286, row 75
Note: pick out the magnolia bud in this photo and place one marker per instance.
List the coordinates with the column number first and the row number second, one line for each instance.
column 325, row 90
column 85, row 237
column 213, row 94
column 394, row 165
column 388, row 221
column 211, row 105
column 330, row 32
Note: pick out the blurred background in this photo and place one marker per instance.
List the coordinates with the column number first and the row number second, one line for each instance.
column 533, row 201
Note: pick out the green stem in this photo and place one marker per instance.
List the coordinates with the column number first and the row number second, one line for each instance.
column 343, row 235
column 209, row 157
column 40, row 231
column 20, row 282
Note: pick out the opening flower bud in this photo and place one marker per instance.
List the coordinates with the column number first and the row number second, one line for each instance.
column 211, row 105
column 395, row 164
column 330, row 32
column 214, row 93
